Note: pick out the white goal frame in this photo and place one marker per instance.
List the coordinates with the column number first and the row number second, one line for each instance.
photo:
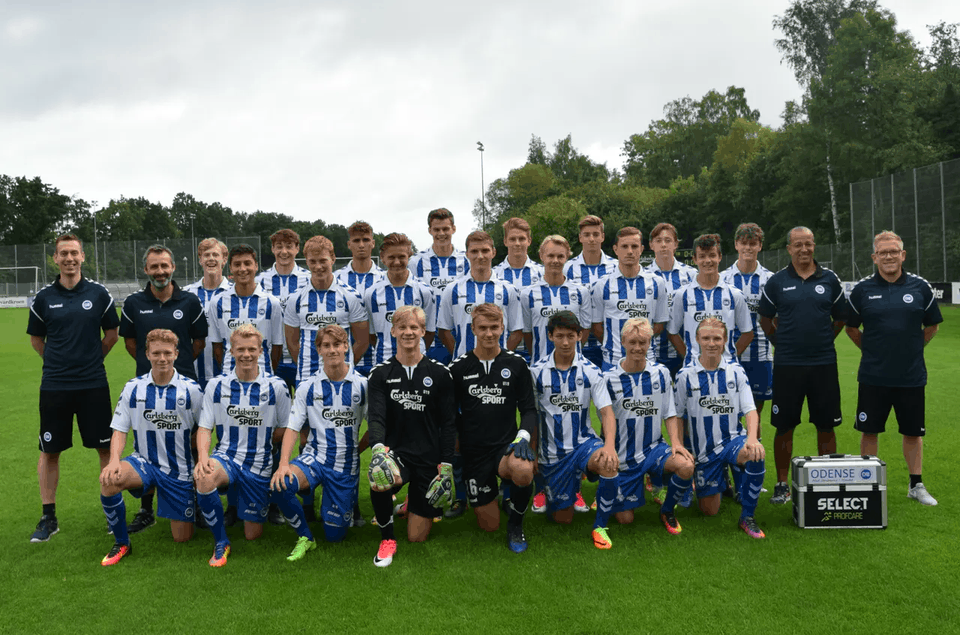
column 17, row 281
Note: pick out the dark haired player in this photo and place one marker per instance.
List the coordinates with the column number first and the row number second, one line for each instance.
column 491, row 384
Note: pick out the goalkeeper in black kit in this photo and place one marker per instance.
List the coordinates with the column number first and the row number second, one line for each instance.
column 491, row 384
column 412, row 433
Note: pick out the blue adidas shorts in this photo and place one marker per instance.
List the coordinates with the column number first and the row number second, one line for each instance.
column 253, row 492
column 760, row 375
column 175, row 498
column 339, row 490
column 562, row 479
column 710, row 477
column 631, row 479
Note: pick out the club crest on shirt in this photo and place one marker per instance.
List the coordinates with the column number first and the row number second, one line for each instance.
column 505, row 373
column 87, row 304
column 178, row 314
column 427, row 381
column 908, row 298
column 820, row 289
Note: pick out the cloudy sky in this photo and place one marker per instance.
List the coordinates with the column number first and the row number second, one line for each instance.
column 363, row 110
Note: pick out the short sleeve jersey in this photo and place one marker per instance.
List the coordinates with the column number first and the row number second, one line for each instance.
column 751, row 286
column 539, row 302
column 230, row 310
column 205, row 365
column 245, row 414
column 805, row 312
column 456, row 307
column 693, row 304
column 673, row 279
column 641, row 403
column 713, row 401
column 617, row 298
column 282, row 287
column 530, row 273
column 383, row 299
column 71, row 322
column 360, row 282
column 310, row 309
column 437, row 272
column 563, row 403
column 333, row 412
column 893, row 316
column 162, row 419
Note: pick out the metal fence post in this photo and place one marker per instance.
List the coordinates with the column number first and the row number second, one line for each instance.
column 943, row 221
column 893, row 208
column 853, row 249
column 916, row 221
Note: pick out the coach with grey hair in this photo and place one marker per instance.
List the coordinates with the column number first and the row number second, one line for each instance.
column 162, row 304
column 899, row 315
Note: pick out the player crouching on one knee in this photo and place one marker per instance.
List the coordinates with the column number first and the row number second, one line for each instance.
column 161, row 408
column 249, row 410
column 564, row 384
column 491, row 384
column 412, row 431
column 332, row 403
column 642, row 397
column 714, row 394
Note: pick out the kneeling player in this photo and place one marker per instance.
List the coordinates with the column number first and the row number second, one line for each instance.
column 412, row 431
column 161, row 408
column 249, row 409
column 490, row 385
column 642, row 396
column 714, row 393
column 333, row 403
column 564, row 383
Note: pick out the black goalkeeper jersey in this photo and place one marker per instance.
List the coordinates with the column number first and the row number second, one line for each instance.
column 488, row 395
column 413, row 415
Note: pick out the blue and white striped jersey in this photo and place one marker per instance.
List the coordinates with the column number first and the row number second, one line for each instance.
column 578, row 271
column 692, row 304
column 563, row 405
column 641, row 403
column 618, row 298
column 310, row 309
column 458, row 300
column 751, row 286
column 530, row 273
column 205, row 365
column 245, row 414
column 438, row 271
column 161, row 418
column 713, row 402
column 360, row 282
column 333, row 411
column 539, row 302
column 383, row 299
column 229, row 310
column 282, row 287
column 674, row 279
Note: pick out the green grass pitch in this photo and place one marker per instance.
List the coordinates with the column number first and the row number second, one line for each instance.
column 712, row 577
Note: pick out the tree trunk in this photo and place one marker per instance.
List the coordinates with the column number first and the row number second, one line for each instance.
column 833, row 199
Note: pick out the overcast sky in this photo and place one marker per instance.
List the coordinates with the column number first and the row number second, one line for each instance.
column 363, row 110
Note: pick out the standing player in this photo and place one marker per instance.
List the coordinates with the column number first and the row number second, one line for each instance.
column 162, row 408
column 399, row 288
column 281, row 281
column 213, row 257
column 565, row 383
column 627, row 292
column 332, row 405
column 517, row 268
column 675, row 275
column 749, row 277
column 809, row 305
column 65, row 322
column 360, row 274
column 249, row 410
column 714, row 393
column 411, row 428
column 440, row 265
column 591, row 265
column 899, row 316
column 477, row 287
column 491, row 385
column 641, row 393
column 246, row 303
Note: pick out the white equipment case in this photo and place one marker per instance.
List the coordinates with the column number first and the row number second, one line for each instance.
column 839, row 491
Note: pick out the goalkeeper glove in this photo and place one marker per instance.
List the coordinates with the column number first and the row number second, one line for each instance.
column 384, row 474
column 440, row 491
column 521, row 447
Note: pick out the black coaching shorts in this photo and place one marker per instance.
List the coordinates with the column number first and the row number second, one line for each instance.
column 873, row 409
column 94, row 413
column 819, row 385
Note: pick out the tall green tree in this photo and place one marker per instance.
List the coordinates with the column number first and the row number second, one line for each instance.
column 32, row 211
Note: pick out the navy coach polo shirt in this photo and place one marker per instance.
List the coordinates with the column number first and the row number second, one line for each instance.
column 893, row 315
column 71, row 321
column 182, row 313
column 805, row 312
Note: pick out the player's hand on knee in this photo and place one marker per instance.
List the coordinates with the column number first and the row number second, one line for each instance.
column 383, row 474
column 440, row 492
column 281, row 478
column 754, row 451
column 521, row 448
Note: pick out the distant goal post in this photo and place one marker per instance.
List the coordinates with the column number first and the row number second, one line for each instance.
column 19, row 281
